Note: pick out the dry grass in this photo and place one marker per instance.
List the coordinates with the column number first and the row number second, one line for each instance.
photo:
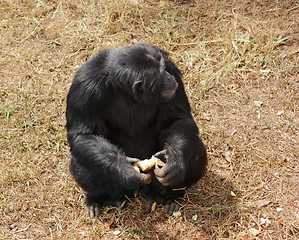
column 232, row 54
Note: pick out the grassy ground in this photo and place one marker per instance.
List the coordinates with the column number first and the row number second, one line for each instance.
column 240, row 65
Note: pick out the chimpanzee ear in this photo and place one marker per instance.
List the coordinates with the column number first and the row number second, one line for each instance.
column 137, row 86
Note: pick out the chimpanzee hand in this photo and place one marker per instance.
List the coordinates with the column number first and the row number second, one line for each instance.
column 173, row 172
column 143, row 178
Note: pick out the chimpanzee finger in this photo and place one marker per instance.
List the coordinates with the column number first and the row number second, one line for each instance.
column 149, row 204
column 132, row 160
column 96, row 211
column 161, row 154
column 163, row 175
column 87, row 211
column 159, row 172
column 172, row 207
column 163, row 181
column 118, row 203
column 92, row 210
column 167, row 206
column 145, row 178
column 162, row 172
column 177, row 208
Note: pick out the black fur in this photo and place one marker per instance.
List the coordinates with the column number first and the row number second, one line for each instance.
column 131, row 103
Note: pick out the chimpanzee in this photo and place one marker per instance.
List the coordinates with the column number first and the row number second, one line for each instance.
column 125, row 105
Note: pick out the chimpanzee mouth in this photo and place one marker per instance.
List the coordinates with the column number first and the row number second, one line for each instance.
column 167, row 95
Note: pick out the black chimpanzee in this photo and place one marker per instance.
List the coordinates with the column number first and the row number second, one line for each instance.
column 125, row 105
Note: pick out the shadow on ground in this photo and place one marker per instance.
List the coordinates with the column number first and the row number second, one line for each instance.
column 210, row 204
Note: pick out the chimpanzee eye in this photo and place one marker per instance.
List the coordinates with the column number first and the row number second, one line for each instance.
column 137, row 86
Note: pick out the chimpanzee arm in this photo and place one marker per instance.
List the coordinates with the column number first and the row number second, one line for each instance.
column 182, row 147
column 87, row 99
column 185, row 155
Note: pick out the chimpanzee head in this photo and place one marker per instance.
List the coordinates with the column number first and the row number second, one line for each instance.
column 139, row 70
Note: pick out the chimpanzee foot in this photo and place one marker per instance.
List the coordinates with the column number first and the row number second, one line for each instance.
column 92, row 209
column 170, row 205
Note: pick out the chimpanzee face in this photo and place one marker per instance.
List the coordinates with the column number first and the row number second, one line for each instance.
column 140, row 72
column 156, row 85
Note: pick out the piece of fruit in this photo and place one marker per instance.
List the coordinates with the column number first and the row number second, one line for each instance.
column 146, row 165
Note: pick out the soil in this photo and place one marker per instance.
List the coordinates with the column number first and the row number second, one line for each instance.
column 240, row 64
